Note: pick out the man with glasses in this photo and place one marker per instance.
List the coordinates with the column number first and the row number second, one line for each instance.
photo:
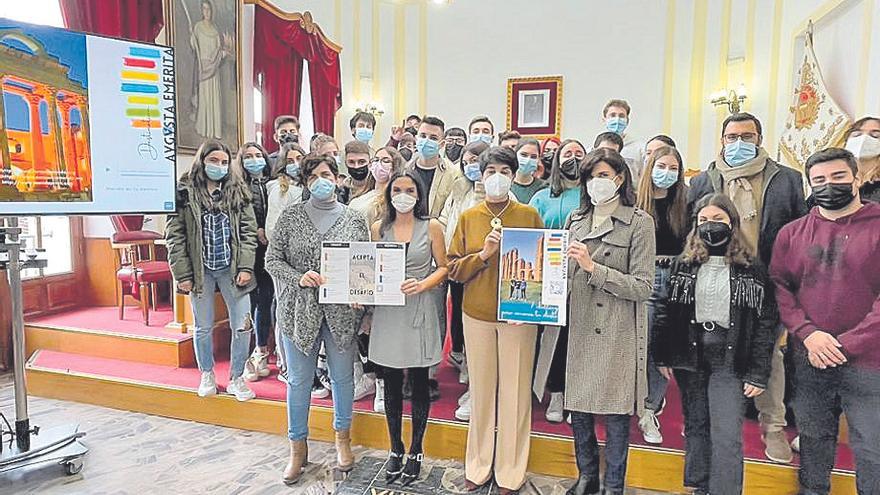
column 455, row 138
column 767, row 196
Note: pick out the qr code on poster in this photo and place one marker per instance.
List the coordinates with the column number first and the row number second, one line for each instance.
column 556, row 288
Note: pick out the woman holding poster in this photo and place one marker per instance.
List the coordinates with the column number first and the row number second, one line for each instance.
column 502, row 353
column 212, row 242
column 612, row 244
column 294, row 261
column 408, row 337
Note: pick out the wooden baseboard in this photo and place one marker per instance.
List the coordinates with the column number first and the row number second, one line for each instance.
column 649, row 468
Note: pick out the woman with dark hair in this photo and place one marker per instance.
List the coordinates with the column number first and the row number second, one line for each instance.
column 526, row 183
column 407, row 338
column 548, row 151
column 655, row 143
column 252, row 163
column 716, row 329
column 212, row 241
column 612, row 246
column 467, row 192
column 283, row 191
column 294, row 261
column 385, row 163
column 500, row 391
column 555, row 204
column 662, row 194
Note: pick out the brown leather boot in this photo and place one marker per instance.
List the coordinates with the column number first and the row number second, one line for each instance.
column 299, row 457
column 344, row 456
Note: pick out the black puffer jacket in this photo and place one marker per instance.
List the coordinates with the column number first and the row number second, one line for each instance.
column 753, row 322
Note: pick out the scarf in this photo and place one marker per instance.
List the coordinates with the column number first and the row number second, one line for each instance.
column 738, row 185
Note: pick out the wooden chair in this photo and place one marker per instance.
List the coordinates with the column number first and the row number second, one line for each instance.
column 138, row 270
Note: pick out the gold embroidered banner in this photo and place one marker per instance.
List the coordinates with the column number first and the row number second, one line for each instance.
column 815, row 120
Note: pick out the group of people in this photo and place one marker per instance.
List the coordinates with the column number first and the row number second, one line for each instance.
column 707, row 282
column 518, row 290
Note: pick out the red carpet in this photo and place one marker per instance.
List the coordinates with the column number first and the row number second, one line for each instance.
column 270, row 388
column 106, row 319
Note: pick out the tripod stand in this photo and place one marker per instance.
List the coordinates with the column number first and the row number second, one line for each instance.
column 28, row 445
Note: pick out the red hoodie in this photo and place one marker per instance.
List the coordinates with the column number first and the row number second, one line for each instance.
column 827, row 276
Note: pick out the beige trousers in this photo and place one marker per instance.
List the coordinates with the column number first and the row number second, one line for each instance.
column 500, row 359
column 771, row 404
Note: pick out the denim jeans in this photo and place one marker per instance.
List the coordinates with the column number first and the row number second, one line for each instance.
column 261, row 307
column 713, row 404
column 301, row 374
column 656, row 382
column 237, row 305
column 586, row 449
column 819, row 397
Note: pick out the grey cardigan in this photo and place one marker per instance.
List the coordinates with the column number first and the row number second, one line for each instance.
column 294, row 249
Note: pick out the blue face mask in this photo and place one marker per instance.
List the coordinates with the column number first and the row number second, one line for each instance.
column 322, row 189
column 472, row 171
column 527, row 166
column 216, row 172
column 486, row 138
column 664, row 179
column 292, row 169
column 427, row 148
column 616, row 124
column 363, row 134
column 255, row 165
column 740, row 152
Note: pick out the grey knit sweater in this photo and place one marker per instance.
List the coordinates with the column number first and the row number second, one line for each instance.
column 294, row 249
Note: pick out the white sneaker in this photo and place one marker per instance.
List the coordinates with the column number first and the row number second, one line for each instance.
column 465, row 397
column 456, row 359
column 463, row 413
column 379, row 400
column 208, row 385
column 240, row 390
column 650, row 426
column 282, row 375
column 568, row 418
column 555, row 409
column 257, row 366
column 796, row 444
column 364, row 387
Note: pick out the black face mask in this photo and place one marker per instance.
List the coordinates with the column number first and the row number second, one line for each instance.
column 411, row 130
column 833, row 196
column 715, row 234
column 547, row 159
column 289, row 138
column 406, row 153
column 569, row 168
column 453, row 151
column 358, row 174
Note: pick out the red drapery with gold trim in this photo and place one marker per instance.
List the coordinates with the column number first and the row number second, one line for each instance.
column 138, row 20
column 280, row 46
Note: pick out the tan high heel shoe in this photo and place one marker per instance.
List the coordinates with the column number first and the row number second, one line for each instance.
column 299, row 457
column 344, row 456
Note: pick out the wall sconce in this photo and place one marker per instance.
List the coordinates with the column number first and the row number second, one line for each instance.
column 371, row 108
column 733, row 98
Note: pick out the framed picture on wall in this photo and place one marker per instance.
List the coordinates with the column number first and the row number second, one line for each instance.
column 206, row 36
column 534, row 106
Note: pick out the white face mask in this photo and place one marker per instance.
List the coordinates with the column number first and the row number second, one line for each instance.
column 403, row 203
column 864, row 146
column 601, row 190
column 497, row 186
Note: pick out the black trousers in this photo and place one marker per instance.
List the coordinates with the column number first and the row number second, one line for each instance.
column 456, row 327
column 421, row 406
column 556, row 378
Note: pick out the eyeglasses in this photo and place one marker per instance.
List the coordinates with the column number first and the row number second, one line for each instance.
column 749, row 137
column 384, row 161
column 875, row 133
column 456, row 140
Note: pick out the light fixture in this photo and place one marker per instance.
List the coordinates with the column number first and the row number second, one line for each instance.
column 732, row 98
column 370, row 107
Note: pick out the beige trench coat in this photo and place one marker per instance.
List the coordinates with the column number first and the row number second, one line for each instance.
column 608, row 318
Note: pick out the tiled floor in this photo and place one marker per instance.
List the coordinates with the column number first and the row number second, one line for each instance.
column 141, row 454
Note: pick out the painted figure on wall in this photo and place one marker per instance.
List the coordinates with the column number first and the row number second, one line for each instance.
column 211, row 48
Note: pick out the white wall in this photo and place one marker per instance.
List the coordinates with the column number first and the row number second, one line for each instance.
column 664, row 56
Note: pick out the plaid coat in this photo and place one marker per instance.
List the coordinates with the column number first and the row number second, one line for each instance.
column 608, row 317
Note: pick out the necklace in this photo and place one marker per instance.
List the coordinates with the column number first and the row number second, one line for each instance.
column 496, row 223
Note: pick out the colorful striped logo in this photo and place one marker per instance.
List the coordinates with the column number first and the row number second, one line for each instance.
column 140, row 82
column 554, row 249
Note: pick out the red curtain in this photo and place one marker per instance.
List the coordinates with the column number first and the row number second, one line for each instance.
column 280, row 46
column 138, row 20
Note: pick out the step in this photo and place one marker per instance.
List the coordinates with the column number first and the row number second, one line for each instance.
column 98, row 332
column 171, row 392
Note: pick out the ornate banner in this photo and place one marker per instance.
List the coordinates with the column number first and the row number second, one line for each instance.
column 815, row 121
